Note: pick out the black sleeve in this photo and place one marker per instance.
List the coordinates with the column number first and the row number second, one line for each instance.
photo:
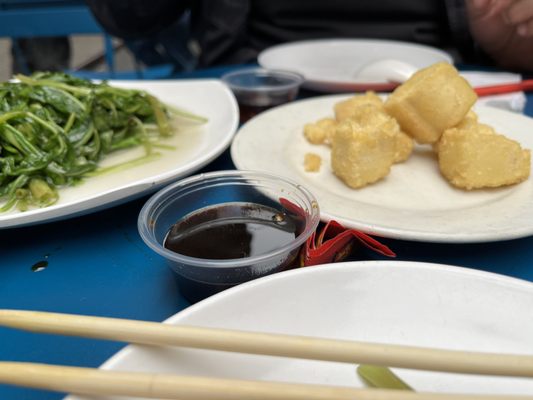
column 134, row 19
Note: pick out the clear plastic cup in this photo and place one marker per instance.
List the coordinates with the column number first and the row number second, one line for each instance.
column 195, row 198
column 258, row 89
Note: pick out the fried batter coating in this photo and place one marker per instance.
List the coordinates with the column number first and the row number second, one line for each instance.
column 434, row 106
column 366, row 109
column 477, row 157
column 312, row 162
column 432, row 100
column 321, row 131
column 362, row 154
column 372, row 115
column 403, row 146
column 345, row 109
column 469, row 121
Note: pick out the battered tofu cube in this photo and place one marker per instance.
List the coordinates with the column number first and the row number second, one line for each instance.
column 321, row 131
column 375, row 115
column 469, row 121
column 403, row 146
column 345, row 109
column 361, row 154
column 432, row 100
column 478, row 157
column 312, row 162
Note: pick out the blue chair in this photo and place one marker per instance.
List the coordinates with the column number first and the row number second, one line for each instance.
column 39, row 18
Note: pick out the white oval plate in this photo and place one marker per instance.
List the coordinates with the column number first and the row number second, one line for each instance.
column 377, row 301
column 332, row 65
column 195, row 146
column 413, row 202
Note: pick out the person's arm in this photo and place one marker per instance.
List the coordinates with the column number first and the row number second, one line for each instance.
column 135, row 19
column 504, row 30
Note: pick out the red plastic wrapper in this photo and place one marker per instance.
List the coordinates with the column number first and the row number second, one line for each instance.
column 334, row 242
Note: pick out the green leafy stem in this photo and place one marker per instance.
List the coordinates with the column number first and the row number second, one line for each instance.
column 55, row 129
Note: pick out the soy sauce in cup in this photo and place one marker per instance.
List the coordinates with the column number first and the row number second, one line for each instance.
column 232, row 230
column 258, row 89
column 273, row 218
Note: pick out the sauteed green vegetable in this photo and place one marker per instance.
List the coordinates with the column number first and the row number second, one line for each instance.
column 381, row 377
column 55, row 128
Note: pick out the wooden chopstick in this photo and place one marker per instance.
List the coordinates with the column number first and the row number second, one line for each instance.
column 163, row 386
column 304, row 347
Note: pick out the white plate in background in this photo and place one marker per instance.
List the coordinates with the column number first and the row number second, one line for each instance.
column 414, row 202
column 332, row 65
column 195, row 146
column 406, row 303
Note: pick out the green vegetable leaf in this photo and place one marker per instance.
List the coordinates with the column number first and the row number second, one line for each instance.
column 381, row 377
column 55, row 128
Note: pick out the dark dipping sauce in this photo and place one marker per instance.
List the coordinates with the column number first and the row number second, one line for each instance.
column 249, row 107
column 247, row 111
column 232, row 231
column 251, row 104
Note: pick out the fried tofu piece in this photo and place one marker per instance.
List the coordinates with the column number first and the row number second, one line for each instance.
column 345, row 109
column 362, row 154
column 432, row 100
column 375, row 115
column 469, row 121
column 321, row 131
column 477, row 157
column 312, row 162
column 403, row 146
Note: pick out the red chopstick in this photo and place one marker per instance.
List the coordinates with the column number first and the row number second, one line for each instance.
column 504, row 88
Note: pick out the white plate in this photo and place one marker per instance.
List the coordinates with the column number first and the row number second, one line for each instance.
column 413, row 202
column 195, row 146
column 376, row 301
column 331, row 65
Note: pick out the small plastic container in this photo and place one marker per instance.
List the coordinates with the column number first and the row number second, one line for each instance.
column 213, row 198
column 258, row 89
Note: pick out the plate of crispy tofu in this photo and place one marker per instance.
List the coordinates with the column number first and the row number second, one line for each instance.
column 425, row 163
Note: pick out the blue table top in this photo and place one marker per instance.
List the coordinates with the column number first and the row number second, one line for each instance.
column 98, row 265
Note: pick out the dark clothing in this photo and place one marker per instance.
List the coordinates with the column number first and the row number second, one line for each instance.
column 235, row 31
